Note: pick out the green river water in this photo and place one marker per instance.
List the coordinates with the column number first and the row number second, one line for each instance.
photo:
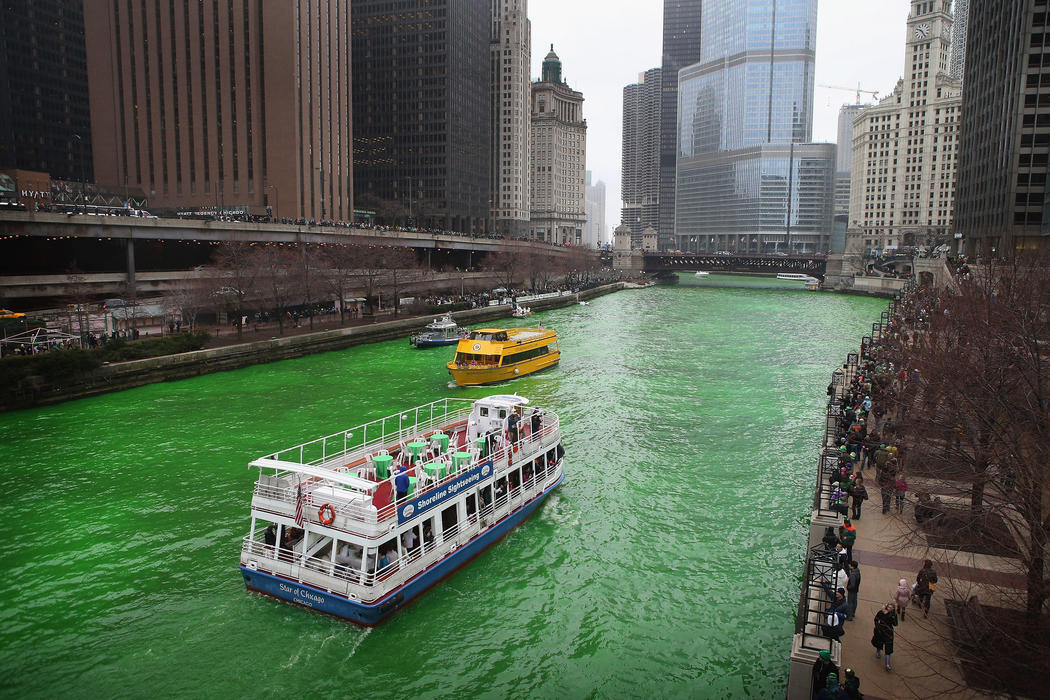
column 667, row 564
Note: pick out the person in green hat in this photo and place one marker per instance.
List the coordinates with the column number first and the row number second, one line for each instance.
column 822, row 668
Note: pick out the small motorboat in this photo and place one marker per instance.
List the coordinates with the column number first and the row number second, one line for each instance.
column 441, row 331
column 521, row 312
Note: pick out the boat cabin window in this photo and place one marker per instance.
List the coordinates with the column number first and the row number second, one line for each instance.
column 465, row 358
column 526, row 355
column 484, row 411
column 449, row 521
column 499, row 336
column 502, row 413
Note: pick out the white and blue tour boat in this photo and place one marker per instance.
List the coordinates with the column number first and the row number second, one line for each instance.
column 332, row 531
column 441, row 331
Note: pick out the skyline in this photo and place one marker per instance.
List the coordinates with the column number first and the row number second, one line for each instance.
column 598, row 60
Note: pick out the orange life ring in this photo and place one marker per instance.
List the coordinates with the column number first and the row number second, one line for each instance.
column 326, row 519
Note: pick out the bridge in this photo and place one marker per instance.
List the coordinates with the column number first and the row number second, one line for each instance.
column 38, row 249
column 654, row 262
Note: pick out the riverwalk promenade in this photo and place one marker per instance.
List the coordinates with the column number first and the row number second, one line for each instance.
column 889, row 547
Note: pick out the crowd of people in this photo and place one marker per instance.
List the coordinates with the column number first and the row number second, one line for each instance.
column 868, row 409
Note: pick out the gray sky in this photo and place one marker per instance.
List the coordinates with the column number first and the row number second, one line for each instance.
column 604, row 44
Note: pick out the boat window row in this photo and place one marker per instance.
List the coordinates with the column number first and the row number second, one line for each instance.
column 498, row 336
column 526, row 355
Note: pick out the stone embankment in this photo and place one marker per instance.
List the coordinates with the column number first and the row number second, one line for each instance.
column 127, row 375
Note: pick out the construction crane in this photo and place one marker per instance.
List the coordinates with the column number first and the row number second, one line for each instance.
column 874, row 93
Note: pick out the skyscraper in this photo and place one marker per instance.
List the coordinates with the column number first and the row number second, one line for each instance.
column 559, row 158
column 961, row 10
column 44, row 89
column 511, row 55
column 1002, row 199
column 594, row 232
column 640, row 159
column 903, row 182
column 747, row 178
column 422, row 81
column 232, row 104
column 681, row 48
column 844, row 156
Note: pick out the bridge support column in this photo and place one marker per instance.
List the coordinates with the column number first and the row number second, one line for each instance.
column 130, row 245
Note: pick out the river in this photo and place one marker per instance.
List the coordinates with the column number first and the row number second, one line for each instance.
column 667, row 564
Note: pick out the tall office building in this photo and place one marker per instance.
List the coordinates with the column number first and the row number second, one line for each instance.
column 1002, row 199
column 422, row 121
column 44, row 121
column 844, row 156
column 235, row 105
column 961, row 20
column 511, row 54
column 904, row 148
column 594, row 206
column 559, row 158
column 748, row 180
column 640, row 155
column 681, row 48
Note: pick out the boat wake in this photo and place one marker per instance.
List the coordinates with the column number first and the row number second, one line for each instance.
column 357, row 644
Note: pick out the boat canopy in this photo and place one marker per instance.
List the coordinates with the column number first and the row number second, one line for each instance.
column 354, row 482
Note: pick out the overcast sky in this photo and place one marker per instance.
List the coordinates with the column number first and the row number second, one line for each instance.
column 604, row 44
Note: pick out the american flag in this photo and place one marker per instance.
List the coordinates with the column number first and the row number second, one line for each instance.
column 299, row 506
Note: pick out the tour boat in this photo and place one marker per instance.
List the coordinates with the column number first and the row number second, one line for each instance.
column 490, row 355
column 702, row 273
column 521, row 312
column 329, row 530
column 441, row 331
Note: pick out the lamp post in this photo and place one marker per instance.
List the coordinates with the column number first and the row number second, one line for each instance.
column 80, row 148
column 276, row 195
column 408, row 192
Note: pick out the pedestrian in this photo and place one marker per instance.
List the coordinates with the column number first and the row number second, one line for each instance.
column 860, row 494
column 830, row 539
column 822, row 668
column 852, row 590
column 882, row 635
column 925, row 585
column 884, row 479
column 901, row 488
column 831, row 689
column 848, row 537
column 902, row 597
column 851, row 684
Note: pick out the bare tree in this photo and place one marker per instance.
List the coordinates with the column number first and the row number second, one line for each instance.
column 278, row 268
column 337, row 272
column 505, row 266
column 192, row 297
column 400, row 264
column 240, row 271
column 309, row 281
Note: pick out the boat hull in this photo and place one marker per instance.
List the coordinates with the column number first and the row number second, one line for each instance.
column 434, row 342
column 493, row 375
column 373, row 614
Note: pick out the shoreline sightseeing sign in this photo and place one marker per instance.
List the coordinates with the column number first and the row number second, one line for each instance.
column 431, row 499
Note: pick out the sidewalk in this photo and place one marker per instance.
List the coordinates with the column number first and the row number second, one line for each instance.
column 923, row 662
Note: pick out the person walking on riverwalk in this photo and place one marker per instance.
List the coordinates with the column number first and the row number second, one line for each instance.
column 901, row 488
column 851, row 684
column 887, row 487
column 852, row 589
column 822, row 668
column 882, row 635
column 859, row 493
column 925, row 585
column 848, row 537
column 902, row 597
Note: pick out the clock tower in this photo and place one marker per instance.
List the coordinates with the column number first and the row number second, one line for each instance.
column 928, row 47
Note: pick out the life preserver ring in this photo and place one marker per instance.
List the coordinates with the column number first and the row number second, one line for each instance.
column 326, row 514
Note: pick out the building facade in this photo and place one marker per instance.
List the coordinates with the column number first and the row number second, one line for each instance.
column 511, row 54
column 594, row 206
column 748, row 180
column 1002, row 199
column 640, row 155
column 681, row 48
column 960, row 22
column 422, row 118
column 45, row 124
column 237, row 106
column 844, row 156
column 559, row 158
column 904, row 148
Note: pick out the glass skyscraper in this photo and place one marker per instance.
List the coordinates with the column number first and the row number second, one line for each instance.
column 748, row 180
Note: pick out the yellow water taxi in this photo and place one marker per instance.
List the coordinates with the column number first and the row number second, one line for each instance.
column 491, row 355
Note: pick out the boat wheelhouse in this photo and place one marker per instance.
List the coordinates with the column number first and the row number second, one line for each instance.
column 472, row 470
column 439, row 332
column 491, row 355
